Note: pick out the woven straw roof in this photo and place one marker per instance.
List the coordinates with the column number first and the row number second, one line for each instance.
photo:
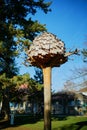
column 47, row 50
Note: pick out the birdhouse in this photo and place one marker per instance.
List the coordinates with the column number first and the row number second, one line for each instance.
column 47, row 50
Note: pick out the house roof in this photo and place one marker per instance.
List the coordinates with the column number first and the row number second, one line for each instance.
column 83, row 89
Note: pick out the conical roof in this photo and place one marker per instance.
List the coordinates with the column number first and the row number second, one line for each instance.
column 47, row 50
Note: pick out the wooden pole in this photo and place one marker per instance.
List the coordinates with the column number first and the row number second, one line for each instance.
column 47, row 98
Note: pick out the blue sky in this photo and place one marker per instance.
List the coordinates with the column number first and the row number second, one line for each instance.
column 68, row 21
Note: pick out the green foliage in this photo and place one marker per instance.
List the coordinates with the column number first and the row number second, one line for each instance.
column 19, row 80
column 0, row 97
column 38, row 76
column 17, row 27
column 23, row 85
column 7, row 50
column 17, row 30
column 18, row 13
column 4, row 81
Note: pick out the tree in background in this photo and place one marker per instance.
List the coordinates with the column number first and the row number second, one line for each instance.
column 23, row 87
column 84, row 52
column 80, row 74
column 38, row 75
column 4, row 91
column 17, row 30
column 77, row 81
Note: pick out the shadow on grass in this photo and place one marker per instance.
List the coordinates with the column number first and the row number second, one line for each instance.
column 20, row 120
column 59, row 117
column 4, row 124
column 74, row 126
column 81, row 125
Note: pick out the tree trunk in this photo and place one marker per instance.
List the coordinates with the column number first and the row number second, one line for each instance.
column 5, row 111
column 47, row 98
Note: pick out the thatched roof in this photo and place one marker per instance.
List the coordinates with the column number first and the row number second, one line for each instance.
column 47, row 50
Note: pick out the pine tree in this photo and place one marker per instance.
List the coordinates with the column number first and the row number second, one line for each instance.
column 38, row 75
column 17, row 29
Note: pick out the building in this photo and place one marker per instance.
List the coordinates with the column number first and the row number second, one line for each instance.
column 69, row 103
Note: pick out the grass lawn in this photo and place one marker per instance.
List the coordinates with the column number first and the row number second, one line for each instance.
column 58, row 123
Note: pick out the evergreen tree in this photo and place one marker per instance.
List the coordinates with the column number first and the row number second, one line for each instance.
column 17, row 29
column 38, row 75
column 25, row 89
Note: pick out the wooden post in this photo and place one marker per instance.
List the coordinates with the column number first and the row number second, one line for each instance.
column 47, row 98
